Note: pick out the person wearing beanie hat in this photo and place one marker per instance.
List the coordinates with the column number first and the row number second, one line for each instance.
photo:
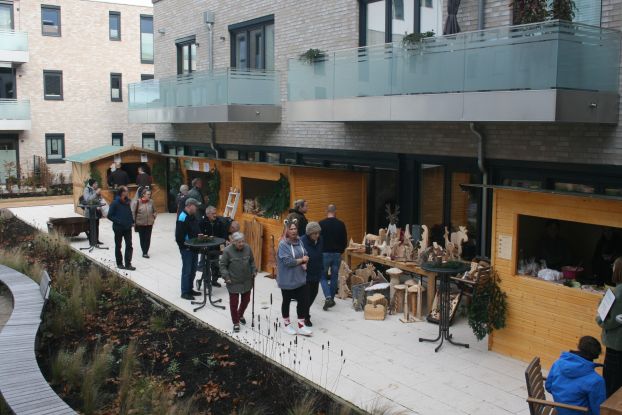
column 186, row 228
column 237, row 268
column 313, row 244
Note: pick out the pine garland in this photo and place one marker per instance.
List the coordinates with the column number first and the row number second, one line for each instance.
column 213, row 187
column 488, row 310
column 278, row 201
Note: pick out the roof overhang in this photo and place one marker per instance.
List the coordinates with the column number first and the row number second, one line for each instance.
column 207, row 114
column 550, row 105
column 542, row 191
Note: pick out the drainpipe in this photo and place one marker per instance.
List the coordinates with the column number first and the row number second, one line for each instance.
column 209, row 20
column 481, row 143
column 212, row 127
column 481, row 5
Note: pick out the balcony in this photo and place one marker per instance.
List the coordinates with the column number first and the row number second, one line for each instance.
column 225, row 95
column 545, row 72
column 14, row 115
column 13, row 46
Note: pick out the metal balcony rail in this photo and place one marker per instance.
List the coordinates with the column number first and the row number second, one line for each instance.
column 13, row 40
column 12, row 109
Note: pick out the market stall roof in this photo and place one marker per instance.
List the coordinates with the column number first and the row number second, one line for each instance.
column 107, row 151
column 545, row 191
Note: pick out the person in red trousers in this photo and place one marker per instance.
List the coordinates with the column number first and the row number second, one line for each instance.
column 237, row 268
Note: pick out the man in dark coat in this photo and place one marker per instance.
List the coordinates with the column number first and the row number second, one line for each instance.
column 186, row 228
column 118, row 177
column 335, row 239
column 122, row 219
column 213, row 225
column 298, row 213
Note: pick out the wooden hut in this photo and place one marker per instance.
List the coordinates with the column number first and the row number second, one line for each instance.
column 319, row 186
column 546, row 317
column 95, row 163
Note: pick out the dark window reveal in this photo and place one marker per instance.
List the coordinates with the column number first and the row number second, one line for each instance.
column 146, row 39
column 53, row 85
column 114, row 25
column 115, row 87
column 50, row 20
column 55, row 148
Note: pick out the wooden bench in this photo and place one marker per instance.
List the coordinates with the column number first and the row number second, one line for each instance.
column 22, row 385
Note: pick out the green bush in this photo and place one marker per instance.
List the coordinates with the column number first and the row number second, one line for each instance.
column 68, row 367
column 95, row 377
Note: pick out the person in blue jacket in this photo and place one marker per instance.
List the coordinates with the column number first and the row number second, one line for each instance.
column 313, row 244
column 573, row 381
column 120, row 214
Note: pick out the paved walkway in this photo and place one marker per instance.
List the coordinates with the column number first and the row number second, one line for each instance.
column 382, row 363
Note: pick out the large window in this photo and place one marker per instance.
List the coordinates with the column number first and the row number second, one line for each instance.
column 50, row 20
column 53, row 85
column 117, row 139
column 149, row 141
column 252, row 44
column 116, row 92
column 146, row 39
column 114, row 25
column 55, row 148
column 186, row 55
column 6, row 16
column 7, row 83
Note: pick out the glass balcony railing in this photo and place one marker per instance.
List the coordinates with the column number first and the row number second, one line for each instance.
column 538, row 56
column 199, row 89
column 10, row 40
column 12, row 109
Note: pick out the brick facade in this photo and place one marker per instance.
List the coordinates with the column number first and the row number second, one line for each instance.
column 300, row 25
column 86, row 56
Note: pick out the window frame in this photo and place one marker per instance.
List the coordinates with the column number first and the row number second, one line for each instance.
column 120, row 76
column 55, row 136
column 180, row 44
column 12, row 9
column 118, row 16
column 47, row 97
column 143, row 16
column 247, row 27
column 388, row 20
column 117, row 136
column 151, row 136
column 60, row 24
column 146, row 77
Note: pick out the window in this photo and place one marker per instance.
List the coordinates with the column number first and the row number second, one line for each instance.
column 146, row 39
column 117, row 139
column 146, row 76
column 385, row 21
column 252, row 44
column 114, row 25
column 53, row 85
column 186, row 55
column 55, row 148
column 149, row 141
column 50, row 20
column 116, row 94
column 6, row 16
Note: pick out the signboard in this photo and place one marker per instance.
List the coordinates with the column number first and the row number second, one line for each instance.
column 504, row 246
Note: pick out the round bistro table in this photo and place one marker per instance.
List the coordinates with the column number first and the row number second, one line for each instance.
column 204, row 246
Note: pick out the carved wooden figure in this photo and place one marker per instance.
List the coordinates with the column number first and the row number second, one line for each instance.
column 459, row 237
column 425, row 238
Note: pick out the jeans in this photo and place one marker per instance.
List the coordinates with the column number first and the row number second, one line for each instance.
column 120, row 235
column 612, row 372
column 144, row 234
column 238, row 311
column 189, row 261
column 332, row 261
column 301, row 295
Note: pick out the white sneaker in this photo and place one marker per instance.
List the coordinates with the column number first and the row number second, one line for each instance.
column 289, row 329
column 305, row 331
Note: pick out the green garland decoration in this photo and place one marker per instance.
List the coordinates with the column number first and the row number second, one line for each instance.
column 277, row 202
column 213, row 187
column 158, row 172
column 488, row 310
column 95, row 175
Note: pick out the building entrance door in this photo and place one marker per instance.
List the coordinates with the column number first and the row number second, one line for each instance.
column 8, row 157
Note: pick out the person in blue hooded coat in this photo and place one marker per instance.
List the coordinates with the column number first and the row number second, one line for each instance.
column 573, row 381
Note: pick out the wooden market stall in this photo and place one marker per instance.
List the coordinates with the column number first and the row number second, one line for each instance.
column 547, row 317
column 320, row 187
column 96, row 164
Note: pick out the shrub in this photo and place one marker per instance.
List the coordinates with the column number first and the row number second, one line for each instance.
column 52, row 246
column 68, row 367
column 95, row 377
column 16, row 259
column 128, row 366
column 159, row 322
column 307, row 405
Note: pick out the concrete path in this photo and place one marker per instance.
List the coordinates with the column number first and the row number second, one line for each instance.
column 369, row 363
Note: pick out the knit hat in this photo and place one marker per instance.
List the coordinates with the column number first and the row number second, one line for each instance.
column 192, row 201
column 237, row 236
column 313, row 227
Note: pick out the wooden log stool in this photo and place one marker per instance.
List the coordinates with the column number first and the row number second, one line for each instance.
column 412, row 305
column 376, row 307
column 394, row 275
column 399, row 298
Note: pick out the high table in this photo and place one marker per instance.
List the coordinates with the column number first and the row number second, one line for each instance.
column 404, row 266
column 205, row 247
column 613, row 405
column 91, row 211
column 444, row 303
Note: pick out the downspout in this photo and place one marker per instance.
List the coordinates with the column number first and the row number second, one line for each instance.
column 481, row 144
column 212, row 126
column 481, row 5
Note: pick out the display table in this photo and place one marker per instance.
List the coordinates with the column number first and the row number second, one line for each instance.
column 404, row 266
column 613, row 405
column 205, row 247
column 445, row 303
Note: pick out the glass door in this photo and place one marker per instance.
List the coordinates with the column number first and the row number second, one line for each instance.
column 6, row 16
column 257, row 50
column 240, row 51
column 7, row 83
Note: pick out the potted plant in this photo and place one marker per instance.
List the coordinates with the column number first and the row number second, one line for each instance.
column 312, row 56
column 413, row 40
column 562, row 10
column 529, row 11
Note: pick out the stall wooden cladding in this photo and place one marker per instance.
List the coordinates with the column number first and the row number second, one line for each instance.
column 225, row 171
column 544, row 318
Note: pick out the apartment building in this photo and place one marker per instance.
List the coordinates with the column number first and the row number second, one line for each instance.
column 528, row 106
column 64, row 67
